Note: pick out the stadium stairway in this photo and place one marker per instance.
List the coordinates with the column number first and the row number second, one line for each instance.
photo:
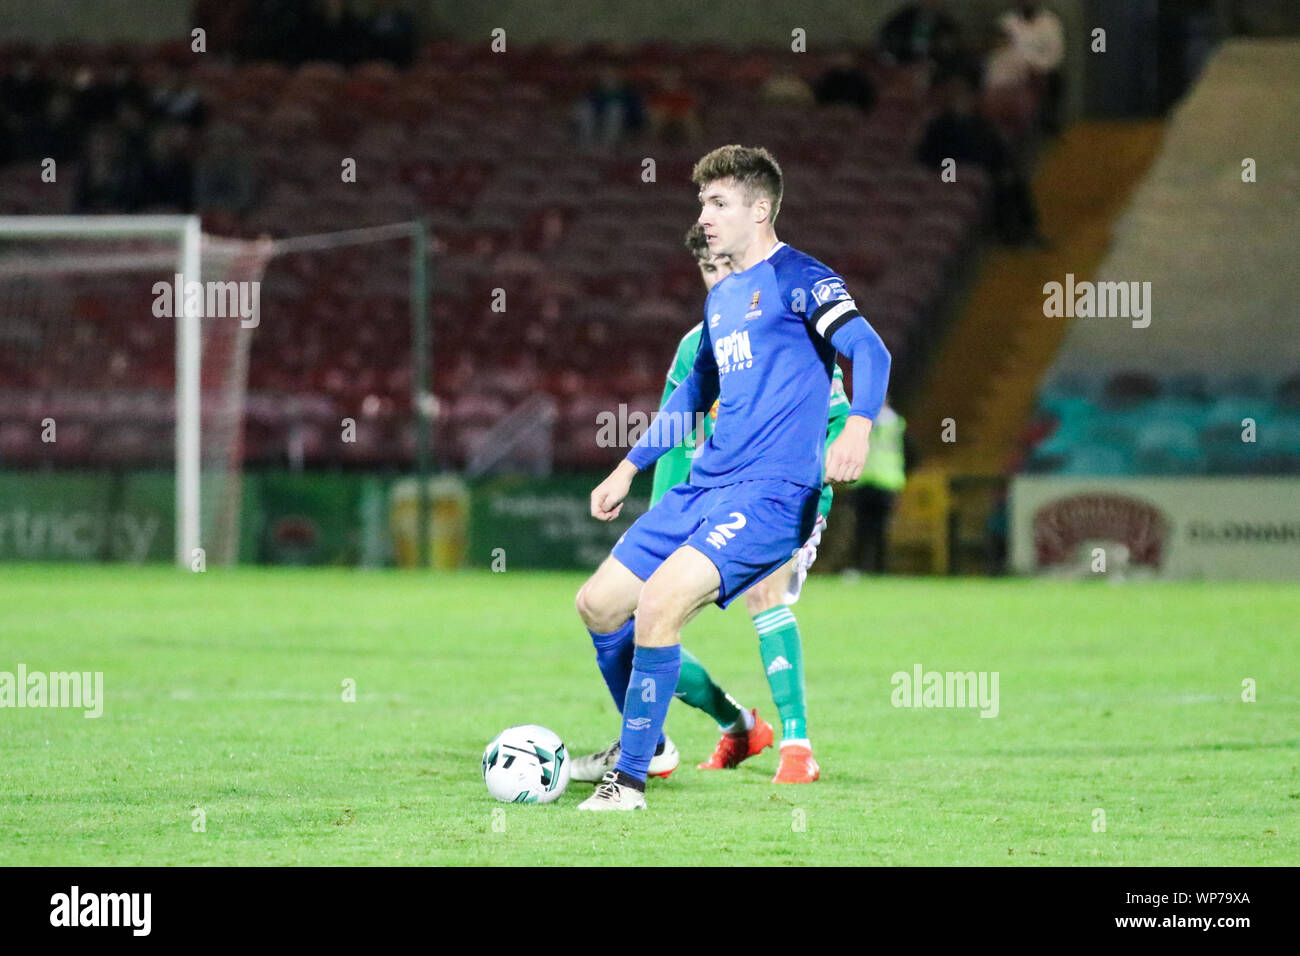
column 986, row 372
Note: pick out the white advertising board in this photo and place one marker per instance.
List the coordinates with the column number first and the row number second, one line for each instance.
column 1244, row 528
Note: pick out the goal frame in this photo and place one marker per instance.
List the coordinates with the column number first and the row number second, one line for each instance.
column 186, row 231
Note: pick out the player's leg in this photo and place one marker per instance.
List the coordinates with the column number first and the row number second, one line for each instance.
column 744, row 733
column 683, row 585
column 606, row 603
column 697, row 688
column 781, row 648
column 609, row 595
column 675, row 593
column 742, row 533
column 770, row 605
column 783, row 664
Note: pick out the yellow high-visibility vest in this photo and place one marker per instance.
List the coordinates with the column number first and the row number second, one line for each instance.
column 884, row 467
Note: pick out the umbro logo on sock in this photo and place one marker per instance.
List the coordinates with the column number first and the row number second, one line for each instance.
column 638, row 723
column 780, row 664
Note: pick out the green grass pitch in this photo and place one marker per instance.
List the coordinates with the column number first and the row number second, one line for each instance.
column 224, row 693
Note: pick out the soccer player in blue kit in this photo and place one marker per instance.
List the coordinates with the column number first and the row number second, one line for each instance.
column 770, row 335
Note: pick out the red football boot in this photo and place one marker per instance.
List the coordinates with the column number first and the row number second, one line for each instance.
column 733, row 748
column 797, row 766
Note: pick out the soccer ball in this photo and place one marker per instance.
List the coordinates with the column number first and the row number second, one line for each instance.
column 526, row 764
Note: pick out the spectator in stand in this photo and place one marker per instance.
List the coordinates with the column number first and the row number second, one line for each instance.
column 923, row 32
column 611, row 112
column 132, row 125
column 25, row 94
column 110, row 177
column 847, row 83
column 391, row 34
column 276, row 30
column 224, row 21
column 960, row 133
column 168, row 174
column 1004, row 67
column 102, row 98
column 178, row 100
column 786, row 88
column 338, row 33
column 59, row 135
column 674, row 112
column 1039, row 39
column 224, row 181
column 24, row 90
column 1007, row 87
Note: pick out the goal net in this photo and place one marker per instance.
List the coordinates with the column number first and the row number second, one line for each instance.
column 125, row 348
column 124, row 345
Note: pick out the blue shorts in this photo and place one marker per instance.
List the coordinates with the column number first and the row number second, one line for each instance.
column 747, row 529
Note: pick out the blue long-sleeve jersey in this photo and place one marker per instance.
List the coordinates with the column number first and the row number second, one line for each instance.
column 766, row 354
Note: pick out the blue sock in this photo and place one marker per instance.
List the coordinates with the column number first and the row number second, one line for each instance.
column 654, row 679
column 614, row 658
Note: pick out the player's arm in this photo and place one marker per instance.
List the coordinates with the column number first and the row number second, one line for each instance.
column 696, row 393
column 838, row 321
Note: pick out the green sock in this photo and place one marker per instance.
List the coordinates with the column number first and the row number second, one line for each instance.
column 696, row 687
column 782, row 650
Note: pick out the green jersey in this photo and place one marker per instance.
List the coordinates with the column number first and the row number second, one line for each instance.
column 674, row 467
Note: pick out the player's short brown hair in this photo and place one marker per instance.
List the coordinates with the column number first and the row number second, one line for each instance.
column 754, row 169
column 696, row 244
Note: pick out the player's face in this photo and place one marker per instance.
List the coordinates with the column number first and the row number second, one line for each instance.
column 727, row 220
column 714, row 270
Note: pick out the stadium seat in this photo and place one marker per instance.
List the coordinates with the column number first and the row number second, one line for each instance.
column 1225, row 453
column 1096, row 460
column 1126, row 389
column 1279, row 444
column 1167, row 448
column 1287, row 394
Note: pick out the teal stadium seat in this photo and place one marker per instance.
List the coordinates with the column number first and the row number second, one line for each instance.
column 1173, row 408
column 1279, row 444
column 1096, row 460
column 1167, row 446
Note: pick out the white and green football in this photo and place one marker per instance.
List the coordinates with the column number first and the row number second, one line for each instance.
column 526, row 764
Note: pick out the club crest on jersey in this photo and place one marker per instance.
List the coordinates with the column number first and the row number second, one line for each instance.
column 828, row 290
column 754, row 311
column 732, row 352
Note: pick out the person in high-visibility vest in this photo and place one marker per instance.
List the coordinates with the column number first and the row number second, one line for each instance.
column 873, row 494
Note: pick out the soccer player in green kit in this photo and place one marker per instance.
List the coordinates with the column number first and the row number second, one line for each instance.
column 744, row 733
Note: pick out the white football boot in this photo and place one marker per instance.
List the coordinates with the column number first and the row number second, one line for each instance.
column 593, row 767
column 611, row 795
